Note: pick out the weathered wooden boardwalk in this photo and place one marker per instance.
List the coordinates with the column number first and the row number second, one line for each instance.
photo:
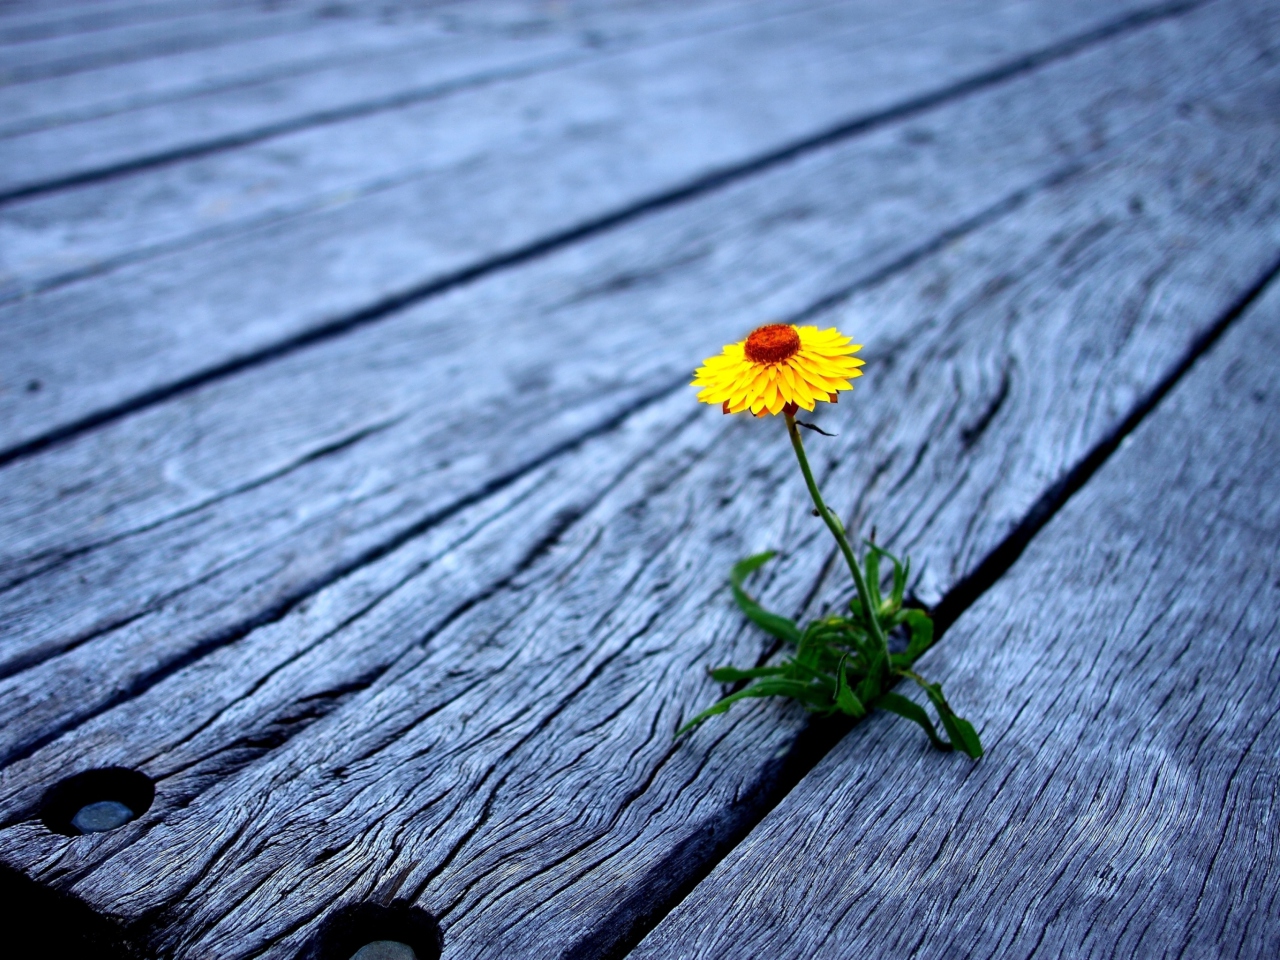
column 357, row 520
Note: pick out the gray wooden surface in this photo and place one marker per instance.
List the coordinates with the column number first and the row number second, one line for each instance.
column 357, row 246
column 1126, row 668
column 372, row 516
column 347, row 416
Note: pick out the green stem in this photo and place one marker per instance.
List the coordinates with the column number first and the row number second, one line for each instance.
column 837, row 530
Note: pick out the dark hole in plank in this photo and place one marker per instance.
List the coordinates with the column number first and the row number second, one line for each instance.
column 380, row 932
column 54, row 925
column 96, row 800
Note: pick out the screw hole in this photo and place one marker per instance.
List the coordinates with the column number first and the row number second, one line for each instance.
column 369, row 931
column 96, row 801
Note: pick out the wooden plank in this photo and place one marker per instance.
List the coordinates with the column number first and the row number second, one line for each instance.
column 45, row 160
column 58, row 55
column 51, row 240
column 1124, row 675
column 23, row 19
column 329, row 43
column 140, row 545
column 497, row 187
column 21, row 22
column 86, row 95
column 513, row 757
column 264, row 88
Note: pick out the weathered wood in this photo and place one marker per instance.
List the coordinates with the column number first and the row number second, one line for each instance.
column 511, row 768
column 440, row 31
column 89, row 50
column 81, row 96
column 243, row 113
column 22, row 20
column 274, row 87
column 28, row 21
column 1124, row 674
column 489, row 196
column 137, row 547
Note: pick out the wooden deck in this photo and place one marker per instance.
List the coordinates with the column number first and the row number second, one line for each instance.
column 354, row 501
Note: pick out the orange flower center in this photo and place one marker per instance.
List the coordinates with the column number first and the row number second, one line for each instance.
column 772, row 343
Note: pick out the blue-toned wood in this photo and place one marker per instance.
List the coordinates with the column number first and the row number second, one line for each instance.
column 239, row 253
column 403, row 619
column 1124, row 675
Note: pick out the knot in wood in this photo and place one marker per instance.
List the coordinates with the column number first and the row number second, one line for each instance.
column 772, row 343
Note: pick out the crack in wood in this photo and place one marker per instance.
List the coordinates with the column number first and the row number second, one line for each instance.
column 484, row 638
column 702, row 185
column 986, row 573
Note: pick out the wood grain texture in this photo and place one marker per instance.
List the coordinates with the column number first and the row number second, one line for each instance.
column 265, row 90
column 1124, row 676
column 709, row 102
column 244, row 113
column 64, row 53
column 395, row 35
column 85, row 95
column 166, row 535
column 22, row 21
column 509, row 766
column 358, row 61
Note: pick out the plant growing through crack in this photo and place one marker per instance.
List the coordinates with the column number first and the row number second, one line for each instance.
column 837, row 664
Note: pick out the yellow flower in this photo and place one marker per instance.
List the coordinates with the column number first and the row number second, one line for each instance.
column 779, row 367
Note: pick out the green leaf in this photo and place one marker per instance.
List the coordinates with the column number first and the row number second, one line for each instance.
column 828, row 628
column 733, row 674
column 797, row 669
column 869, row 686
column 846, row 699
column 900, row 576
column 872, row 564
column 772, row 687
column 910, row 710
column 921, row 626
column 958, row 729
column 772, row 623
column 837, row 666
column 809, row 652
column 835, row 632
column 964, row 736
column 869, row 649
column 744, row 568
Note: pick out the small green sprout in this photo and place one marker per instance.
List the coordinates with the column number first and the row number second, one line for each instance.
column 838, row 667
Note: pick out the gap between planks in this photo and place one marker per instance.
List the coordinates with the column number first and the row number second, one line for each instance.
column 1125, row 668
column 115, row 606
column 197, row 76
column 717, row 179
column 63, row 55
column 892, row 295
column 815, row 744
column 93, row 230
column 566, row 43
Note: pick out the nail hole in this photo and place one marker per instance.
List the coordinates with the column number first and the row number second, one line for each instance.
column 369, row 931
column 96, row 801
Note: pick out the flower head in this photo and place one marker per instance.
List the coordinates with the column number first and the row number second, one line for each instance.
column 779, row 367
